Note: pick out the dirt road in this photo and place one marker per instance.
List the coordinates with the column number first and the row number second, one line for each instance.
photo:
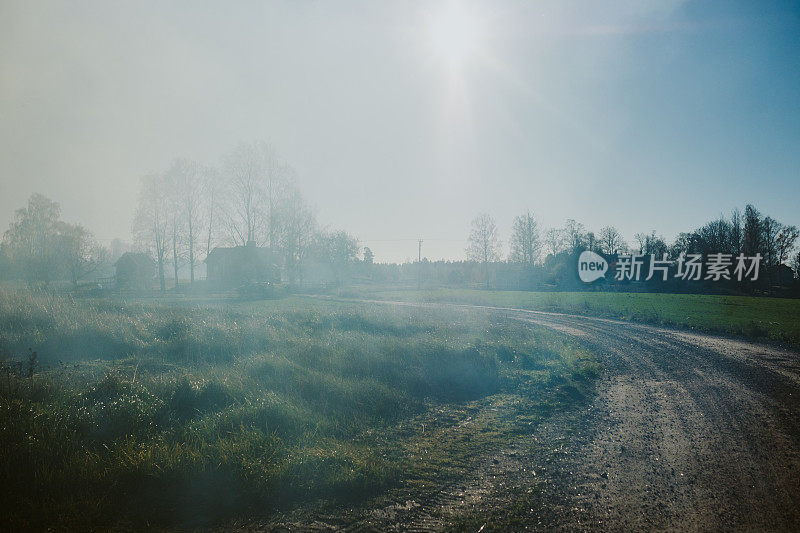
column 689, row 431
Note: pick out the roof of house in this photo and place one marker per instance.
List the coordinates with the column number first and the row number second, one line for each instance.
column 135, row 257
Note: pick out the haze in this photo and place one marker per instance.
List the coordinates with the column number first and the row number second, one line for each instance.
column 404, row 120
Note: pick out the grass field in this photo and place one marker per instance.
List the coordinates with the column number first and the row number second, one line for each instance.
column 773, row 318
column 149, row 414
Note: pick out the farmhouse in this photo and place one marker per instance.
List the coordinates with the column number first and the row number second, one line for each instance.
column 781, row 275
column 242, row 264
column 134, row 270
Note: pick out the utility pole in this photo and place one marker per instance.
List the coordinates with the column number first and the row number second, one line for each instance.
column 419, row 271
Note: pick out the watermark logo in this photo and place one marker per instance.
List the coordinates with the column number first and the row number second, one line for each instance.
column 687, row 267
column 591, row 266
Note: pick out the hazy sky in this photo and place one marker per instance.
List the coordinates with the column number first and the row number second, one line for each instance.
column 405, row 119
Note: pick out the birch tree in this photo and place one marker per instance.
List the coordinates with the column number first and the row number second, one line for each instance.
column 151, row 222
column 186, row 181
column 484, row 243
column 211, row 206
column 295, row 226
column 250, row 172
column 525, row 242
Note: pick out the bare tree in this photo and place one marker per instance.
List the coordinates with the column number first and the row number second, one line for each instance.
column 295, row 226
column 187, row 183
column 212, row 198
column 714, row 237
column 796, row 266
column 591, row 241
column 785, row 242
column 338, row 249
column 282, row 192
column 175, row 228
column 484, row 244
column 253, row 178
column 736, row 233
column 30, row 239
column 117, row 248
column 641, row 240
column 79, row 250
column 752, row 232
column 554, row 240
column 151, row 221
column 44, row 248
column 525, row 242
column 575, row 234
column 770, row 229
column 685, row 243
column 610, row 240
column 651, row 244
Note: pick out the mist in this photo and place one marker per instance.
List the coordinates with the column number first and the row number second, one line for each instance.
column 452, row 265
column 396, row 130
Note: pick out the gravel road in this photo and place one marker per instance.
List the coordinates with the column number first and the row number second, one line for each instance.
column 688, row 431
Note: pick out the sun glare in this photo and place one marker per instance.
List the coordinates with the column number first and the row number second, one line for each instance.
column 456, row 33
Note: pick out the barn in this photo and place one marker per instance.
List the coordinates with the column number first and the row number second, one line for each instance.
column 242, row 264
column 134, row 271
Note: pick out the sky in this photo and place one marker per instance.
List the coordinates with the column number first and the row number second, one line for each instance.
column 406, row 119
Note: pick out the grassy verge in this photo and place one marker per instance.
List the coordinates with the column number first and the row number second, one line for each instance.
column 756, row 317
column 141, row 415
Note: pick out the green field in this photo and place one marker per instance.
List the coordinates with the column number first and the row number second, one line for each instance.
column 150, row 414
column 772, row 318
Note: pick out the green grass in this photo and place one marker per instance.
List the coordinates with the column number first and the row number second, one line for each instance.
column 161, row 415
column 756, row 317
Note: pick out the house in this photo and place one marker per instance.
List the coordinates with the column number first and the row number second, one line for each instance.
column 134, row 270
column 781, row 275
column 242, row 264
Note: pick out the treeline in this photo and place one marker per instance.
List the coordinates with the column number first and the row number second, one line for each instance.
column 546, row 258
column 747, row 232
column 250, row 197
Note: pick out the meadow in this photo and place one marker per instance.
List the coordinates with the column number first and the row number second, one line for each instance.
column 748, row 316
column 154, row 414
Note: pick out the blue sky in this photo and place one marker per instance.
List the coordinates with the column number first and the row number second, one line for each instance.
column 405, row 119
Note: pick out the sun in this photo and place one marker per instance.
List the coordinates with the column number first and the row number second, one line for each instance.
column 456, row 34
